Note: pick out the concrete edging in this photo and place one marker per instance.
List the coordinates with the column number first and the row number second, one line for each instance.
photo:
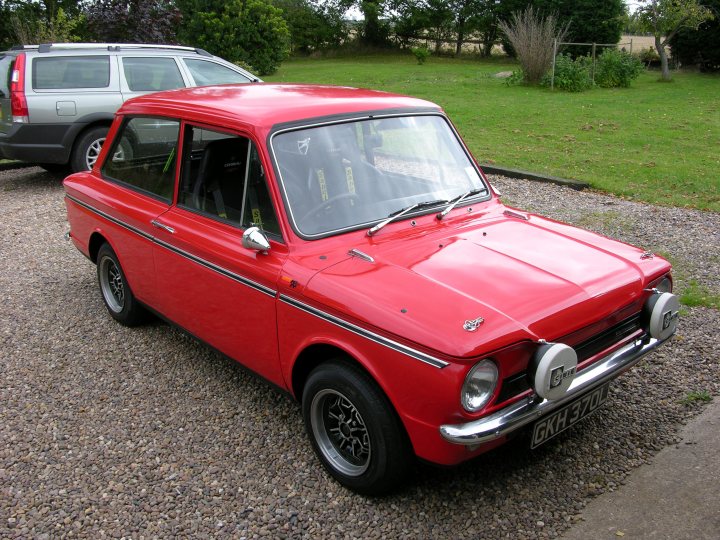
column 526, row 175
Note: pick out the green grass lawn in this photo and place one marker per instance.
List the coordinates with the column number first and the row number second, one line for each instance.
column 654, row 142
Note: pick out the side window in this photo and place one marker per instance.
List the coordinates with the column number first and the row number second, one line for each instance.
column 206, row 73
column 152, row 74
column 58, row 72
column 223, row 177
column 143, row 156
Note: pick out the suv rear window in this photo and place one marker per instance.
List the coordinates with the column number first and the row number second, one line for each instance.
column 60, row 72
column 152, row 74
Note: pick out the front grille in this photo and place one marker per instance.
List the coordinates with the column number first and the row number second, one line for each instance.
column 517, row 384
column 609, row 337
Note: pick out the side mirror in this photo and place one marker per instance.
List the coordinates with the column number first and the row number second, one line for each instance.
column 253, row 238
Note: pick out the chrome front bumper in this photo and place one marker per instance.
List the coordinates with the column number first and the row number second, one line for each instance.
column 528, row 410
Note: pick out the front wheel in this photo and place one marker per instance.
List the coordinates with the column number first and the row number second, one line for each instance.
column 116, row 293
column 354, row 429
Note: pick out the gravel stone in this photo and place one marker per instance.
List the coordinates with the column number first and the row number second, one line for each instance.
column 110, row 432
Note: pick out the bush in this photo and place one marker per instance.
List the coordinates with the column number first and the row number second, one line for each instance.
column 617, row 69
column 571, row 75
column 421, row 53
column 531, row 36
column 649, row 56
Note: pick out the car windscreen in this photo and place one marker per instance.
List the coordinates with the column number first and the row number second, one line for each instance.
column 58, row 72
column 347, row 175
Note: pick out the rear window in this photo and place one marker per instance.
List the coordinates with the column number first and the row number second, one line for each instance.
column 6, row 63
column 58, row 72
column 206, row 73
column 152, row 74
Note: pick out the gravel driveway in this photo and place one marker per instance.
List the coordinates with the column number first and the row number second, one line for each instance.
column 109, row 432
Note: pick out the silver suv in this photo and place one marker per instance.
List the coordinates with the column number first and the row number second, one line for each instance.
column 57, row 101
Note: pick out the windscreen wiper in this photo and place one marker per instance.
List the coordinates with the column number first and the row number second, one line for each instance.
column 399, row 213
column 460, row 198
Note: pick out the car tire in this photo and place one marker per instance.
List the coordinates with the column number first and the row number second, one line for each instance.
column 116, row 293
column 354, row 429
column 87, row 148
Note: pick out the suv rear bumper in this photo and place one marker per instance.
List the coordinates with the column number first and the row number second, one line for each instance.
column 39, row 143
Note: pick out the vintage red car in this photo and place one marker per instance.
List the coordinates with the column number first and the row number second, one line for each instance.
column 344, row 245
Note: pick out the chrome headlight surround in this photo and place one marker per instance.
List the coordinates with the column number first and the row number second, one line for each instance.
column 479, row 386
column 664, row 284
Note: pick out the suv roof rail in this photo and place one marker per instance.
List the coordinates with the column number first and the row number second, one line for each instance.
column 47, row 47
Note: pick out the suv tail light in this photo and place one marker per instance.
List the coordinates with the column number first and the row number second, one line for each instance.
column 18, row 102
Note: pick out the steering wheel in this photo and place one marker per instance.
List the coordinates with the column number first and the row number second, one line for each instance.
column 325, row 205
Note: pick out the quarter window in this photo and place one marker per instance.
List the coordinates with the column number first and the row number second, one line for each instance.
column 60, row 72
column 206, row 73
column 223, row 177
column 152, row 74
column 144, row 156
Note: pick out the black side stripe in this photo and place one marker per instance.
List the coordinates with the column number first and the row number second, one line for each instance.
column 394, row 345
column 367, row 334
column 202, row 262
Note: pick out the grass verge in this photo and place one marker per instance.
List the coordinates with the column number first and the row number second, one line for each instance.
column 652, row 142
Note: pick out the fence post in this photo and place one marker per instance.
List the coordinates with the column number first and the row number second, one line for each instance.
column 593, row 62
column 631, row 45
column 552, row 77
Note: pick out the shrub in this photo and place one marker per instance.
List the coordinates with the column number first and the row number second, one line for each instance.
column 615, row 69
column 649, row 56
column 531, row 36
column 421, row 53
column 571, row 75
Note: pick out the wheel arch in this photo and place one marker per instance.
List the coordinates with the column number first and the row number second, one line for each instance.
column 96, row 241
column 82, row 126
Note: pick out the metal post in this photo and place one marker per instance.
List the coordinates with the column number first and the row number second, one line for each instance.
column 552, row 77
column 593, row 62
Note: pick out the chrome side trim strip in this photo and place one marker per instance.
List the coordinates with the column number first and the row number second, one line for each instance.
column 372, row 336
column 202, row 262
column 528, row 410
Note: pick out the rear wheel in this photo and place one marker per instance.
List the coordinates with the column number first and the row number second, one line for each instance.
column 116, row 293
column 354, row 429
column 87, row 148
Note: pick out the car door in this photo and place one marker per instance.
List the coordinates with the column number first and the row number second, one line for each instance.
column 207, row 281
column 138, row 185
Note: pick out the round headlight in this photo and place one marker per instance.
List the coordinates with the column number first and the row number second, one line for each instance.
column 479, row 385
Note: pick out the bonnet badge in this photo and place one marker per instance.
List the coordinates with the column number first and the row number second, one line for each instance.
column 473, row 324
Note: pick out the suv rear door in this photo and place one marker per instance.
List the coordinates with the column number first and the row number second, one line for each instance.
column 143, row 74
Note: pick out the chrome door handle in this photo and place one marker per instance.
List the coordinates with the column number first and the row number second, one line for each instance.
column 157, row 224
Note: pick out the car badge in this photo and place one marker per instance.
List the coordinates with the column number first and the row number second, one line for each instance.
column 473, row 325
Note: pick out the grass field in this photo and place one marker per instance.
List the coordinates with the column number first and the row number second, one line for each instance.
column 654, row 142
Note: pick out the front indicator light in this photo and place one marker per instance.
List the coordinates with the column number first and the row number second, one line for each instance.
column 479, row 385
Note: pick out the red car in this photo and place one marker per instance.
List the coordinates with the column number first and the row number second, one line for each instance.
column 344, row 245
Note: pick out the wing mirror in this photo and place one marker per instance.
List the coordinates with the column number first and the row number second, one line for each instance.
column 253, row 238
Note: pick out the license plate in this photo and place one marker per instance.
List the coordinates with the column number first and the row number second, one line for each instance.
column 562, row 419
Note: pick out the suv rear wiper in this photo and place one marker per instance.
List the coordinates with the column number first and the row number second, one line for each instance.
column 460, row 198
column 399, row 213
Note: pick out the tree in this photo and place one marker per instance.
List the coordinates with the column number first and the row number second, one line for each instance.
column 375, row 30
column 665, row 18
column 312, row 26
column 28, row 21
column 700, row 47
column 134, row 21
column 249, row 31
